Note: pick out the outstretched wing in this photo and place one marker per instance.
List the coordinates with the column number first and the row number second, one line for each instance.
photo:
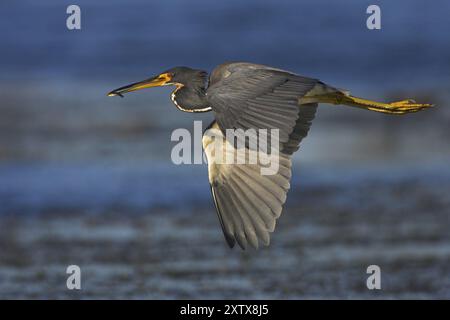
column 247, row 201
column 248, row 96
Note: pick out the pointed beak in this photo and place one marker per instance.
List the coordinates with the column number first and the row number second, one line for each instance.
column 160, row 80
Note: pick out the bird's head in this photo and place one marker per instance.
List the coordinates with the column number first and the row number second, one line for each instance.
column 178, row 76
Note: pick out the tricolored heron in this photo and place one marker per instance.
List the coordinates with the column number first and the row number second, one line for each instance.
column 251, row 96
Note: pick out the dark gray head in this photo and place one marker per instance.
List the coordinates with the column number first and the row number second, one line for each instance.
column 178, row 76
column 189, row 95
column 188, row 77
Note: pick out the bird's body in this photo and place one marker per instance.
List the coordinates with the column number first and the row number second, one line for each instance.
column 246, row 96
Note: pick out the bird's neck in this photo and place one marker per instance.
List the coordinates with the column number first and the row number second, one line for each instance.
column 189, row 99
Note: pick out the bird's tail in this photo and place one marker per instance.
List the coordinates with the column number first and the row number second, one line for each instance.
column 397, row 107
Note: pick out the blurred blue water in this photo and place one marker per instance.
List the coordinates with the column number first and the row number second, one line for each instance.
column 40, row 188
column 366, row 188
column 54, row 112
column 326, row 39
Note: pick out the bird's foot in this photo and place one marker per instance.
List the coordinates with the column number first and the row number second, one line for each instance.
column 406, row 106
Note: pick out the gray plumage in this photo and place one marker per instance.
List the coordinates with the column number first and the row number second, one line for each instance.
column 244, row 96
column 248, row 96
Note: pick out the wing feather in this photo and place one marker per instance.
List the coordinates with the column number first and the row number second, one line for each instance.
column 258, row 97
column 247, row 202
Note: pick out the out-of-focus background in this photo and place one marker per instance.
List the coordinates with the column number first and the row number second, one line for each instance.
column 87, row 180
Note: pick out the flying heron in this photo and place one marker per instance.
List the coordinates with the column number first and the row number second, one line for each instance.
column 251, row 96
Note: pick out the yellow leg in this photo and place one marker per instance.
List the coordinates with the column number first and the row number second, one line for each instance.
column 343, row 98
column 398, row 107
column 322, row 93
